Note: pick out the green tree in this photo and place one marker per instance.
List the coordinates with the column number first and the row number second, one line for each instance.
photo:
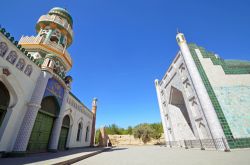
column 113, row 129
column 157, row 130
column 130, row 130
column 97, row 135
column 143, row 132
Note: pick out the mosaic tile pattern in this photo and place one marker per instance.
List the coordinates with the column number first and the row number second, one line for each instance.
column 232, row 141
column 235, row 102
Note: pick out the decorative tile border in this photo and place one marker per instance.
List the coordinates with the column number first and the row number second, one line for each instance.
column 228, row 69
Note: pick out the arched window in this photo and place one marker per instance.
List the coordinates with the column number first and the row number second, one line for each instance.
column 20, row 64
column 79, row 132
column 87, row 134
column 66, row 121
column 12, row 57
column 63, row 41
column 28, row 70
column 55, row 36
column 45, row 31
column 3, row 49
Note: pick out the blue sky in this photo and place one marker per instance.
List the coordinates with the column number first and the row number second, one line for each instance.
column 121, row 46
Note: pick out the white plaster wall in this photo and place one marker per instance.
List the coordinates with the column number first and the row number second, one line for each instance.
column 21, row 88
column 181, row 129
column 78, row 116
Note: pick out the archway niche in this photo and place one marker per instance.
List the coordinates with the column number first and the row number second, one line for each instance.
column 64, row 133
column 4, row 101
column 176, row 99
column 40, row 136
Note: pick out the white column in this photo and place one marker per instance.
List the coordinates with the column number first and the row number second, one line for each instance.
column 206, row 104
column 56, row 130
column 31, row 113
column 164, row 123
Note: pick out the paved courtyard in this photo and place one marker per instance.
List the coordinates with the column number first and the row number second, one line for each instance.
column 156, row 155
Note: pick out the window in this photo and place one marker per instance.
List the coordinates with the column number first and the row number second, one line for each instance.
column 28, row 70
column 45, row 31
column 3, row 49
column 79, row 132
column 87, row 134
column 55, row 37
column 12, row 57
column 20, row 64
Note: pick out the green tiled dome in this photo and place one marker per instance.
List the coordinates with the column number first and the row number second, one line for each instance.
column 63, row 13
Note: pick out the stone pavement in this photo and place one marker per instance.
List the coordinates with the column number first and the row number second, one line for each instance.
column 156, row 155
column 61, row 157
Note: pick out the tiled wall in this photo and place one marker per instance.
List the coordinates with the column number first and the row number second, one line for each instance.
column 234, row 142
column 235, row 103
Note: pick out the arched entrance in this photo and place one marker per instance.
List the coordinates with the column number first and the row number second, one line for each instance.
column 64, row 133
column 4, row 101
column 40, row 136
column 180, row 118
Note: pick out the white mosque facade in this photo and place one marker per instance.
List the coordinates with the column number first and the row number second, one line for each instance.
column 37, row 110
column 202, row 96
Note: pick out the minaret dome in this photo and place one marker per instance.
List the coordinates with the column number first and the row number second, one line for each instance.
column 180, row 38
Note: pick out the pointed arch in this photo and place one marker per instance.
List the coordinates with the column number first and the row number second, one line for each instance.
column 87, row 137
column 79, row 131
column 4, row 101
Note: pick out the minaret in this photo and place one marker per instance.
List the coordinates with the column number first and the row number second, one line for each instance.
column 94, row 108
column 54, row 36
column 48, row 47
column 206, row 104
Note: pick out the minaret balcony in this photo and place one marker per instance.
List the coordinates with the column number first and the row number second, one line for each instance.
column 55, row 19
column 38, row 42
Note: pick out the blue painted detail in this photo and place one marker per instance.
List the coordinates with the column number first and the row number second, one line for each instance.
column 54, row 88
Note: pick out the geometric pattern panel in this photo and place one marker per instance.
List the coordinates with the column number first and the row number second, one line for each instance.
column 54, row 88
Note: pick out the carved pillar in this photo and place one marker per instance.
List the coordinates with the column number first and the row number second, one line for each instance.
column 31, row 113
column 48, row 35
column 163, row 118
column 206, row 103
column 56, row 130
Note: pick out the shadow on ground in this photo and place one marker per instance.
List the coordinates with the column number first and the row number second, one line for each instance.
column 115, row 149
column 32, row 158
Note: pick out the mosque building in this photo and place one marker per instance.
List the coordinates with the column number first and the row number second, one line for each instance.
column 38, row 112
column 202, row 97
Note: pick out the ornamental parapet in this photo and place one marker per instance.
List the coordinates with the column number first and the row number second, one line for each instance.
column 31, row 42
